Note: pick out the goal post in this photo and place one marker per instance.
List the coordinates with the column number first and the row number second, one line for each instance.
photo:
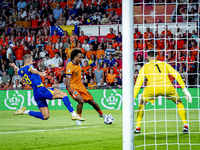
column 127, row 44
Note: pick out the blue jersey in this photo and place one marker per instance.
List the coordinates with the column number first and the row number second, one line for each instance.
column 33, row 80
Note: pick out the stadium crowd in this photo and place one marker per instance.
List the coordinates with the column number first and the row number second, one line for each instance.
column 102, row 58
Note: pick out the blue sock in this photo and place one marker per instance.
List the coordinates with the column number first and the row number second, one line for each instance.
column 68, row 103
column 36, row 114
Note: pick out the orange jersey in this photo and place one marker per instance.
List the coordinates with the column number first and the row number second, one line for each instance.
column 99, row 53
column 72, row 38
column 70, row 3
column 58, row 70
column 75, row 71
column 85, row 69
column 168, row 33
column 54, row 38
column 110, row 78
column 147, row 34
column 92, row 86
column 68, row 52
column 89, row 53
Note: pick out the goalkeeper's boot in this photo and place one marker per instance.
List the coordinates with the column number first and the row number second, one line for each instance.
column 78, row 123
column 137, row 130
column 20, row 111
column 185, row 128
column 77, row 117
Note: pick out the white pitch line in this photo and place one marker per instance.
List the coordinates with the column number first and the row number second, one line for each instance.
column 50, row 130
column 54, row 129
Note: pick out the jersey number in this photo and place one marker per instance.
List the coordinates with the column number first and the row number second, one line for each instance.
column 158, row 68
column 26, row 78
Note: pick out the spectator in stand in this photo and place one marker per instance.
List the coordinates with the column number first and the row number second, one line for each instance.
column 61, row 21
column 116, row 68
column 99, row 52
column 90, row 75
column 110, row 76
column 110, row 61
column 161, row 42
column 68, row 51
column 82, row 37
column 183, row 74
column 194, row 34
column 76, row 21
column 34, row 23
column 32, row 3
column 52, row 20
column 85, row 67
column 58, row 69
column 56, row 84
column 74, row 43
column 59, row 43
column 28, row 38
column 82, row 10
column 110, row 9
column 2, row 23
column 64, row 83
column 57, row 11
column 40, row 45
column 42, row 53
column 170, row 42
column 147, row 33
column 10, row 22
column 101, row 84
column 63, row 4
column 17, row 84
column 19, row 52
column 110, row 35
column 105, row 19
column 166, row 32
column 46, row 83
column 56, row 60
column 180, row 43
column 21, row 4
column 96, row 18
column 119, row 37
column 46, row 11
column 115, row 83
column 99, row 74
column 73, row 12
column 161, row 56
column 10, row 70
column 8, row 86
column 22, row 13
column 5, row 78
column 120, row 78
column 90, row 52
column 118, row 10
column 87, row 2
column 99, row 10
column 18, row 23
column 92, row 60
column 54, row 37
column 83, row 81
column 78, row 3
column 92, row 84
column 70, row 21
column 103, row 43
column 90, row 10
column 193, row 15
column 136, row 66
column 73, row 36
column 95, row 43
column 109, row 50
column 85, row 45
column 70, row 3
column 9, row 55
column 177, row 32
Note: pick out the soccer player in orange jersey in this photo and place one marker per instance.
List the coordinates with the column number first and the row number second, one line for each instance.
column 76, row 88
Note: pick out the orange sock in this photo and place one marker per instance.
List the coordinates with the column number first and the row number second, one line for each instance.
column 79, row 115
column 100, row 112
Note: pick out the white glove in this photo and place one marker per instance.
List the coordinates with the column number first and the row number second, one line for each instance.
column 187, row 95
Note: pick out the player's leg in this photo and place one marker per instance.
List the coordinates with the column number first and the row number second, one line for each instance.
column 173, row 95
column 96, row 107
column 43, row 107
column 80, row 101
column 58, row 94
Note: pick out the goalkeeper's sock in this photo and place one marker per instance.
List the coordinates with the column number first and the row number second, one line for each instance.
column 68, row 104
column 36, row 114
column 140, row 114
column 182, row 112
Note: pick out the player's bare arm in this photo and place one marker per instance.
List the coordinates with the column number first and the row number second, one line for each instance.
column 34, row 71
column 15, row 67
column 68, row 85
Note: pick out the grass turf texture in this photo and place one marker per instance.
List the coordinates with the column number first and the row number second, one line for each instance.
column 59, row 132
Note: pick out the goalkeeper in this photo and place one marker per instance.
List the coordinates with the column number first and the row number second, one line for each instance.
column 158, row 84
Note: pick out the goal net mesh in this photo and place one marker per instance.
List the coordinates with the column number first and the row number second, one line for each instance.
column 170, row 27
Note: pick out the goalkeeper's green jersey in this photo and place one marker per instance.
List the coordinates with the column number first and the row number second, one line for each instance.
column 156, row 72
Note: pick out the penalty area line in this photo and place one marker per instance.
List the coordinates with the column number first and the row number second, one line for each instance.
column 49, row 130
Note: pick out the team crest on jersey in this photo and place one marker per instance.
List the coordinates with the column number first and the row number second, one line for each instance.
column 75, row 92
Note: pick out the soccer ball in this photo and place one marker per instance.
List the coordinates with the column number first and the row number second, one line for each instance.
column 108, row 119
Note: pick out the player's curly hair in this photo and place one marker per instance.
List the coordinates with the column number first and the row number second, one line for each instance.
column 74, row 53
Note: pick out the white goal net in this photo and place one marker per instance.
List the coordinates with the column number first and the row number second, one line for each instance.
column 171, row 28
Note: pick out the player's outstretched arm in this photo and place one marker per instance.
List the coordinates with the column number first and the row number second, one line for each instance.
column 179, row 79
column 15, row 67
column 34, row 71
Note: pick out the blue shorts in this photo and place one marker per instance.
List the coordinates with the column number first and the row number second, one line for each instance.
column 41, row 94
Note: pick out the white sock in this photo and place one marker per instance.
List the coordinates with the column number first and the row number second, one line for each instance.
column 26, row 112
column 73, row 113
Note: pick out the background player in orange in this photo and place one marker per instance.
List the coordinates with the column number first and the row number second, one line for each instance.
column 76, row 88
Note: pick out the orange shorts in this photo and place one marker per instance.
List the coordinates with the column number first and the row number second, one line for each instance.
column 81, row 90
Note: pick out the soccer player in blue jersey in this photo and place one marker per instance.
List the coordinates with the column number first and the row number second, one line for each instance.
column 32, row 77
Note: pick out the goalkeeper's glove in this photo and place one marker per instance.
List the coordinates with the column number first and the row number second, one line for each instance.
column 187, row 95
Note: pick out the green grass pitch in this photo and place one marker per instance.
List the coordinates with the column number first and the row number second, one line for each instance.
column 59, row 132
